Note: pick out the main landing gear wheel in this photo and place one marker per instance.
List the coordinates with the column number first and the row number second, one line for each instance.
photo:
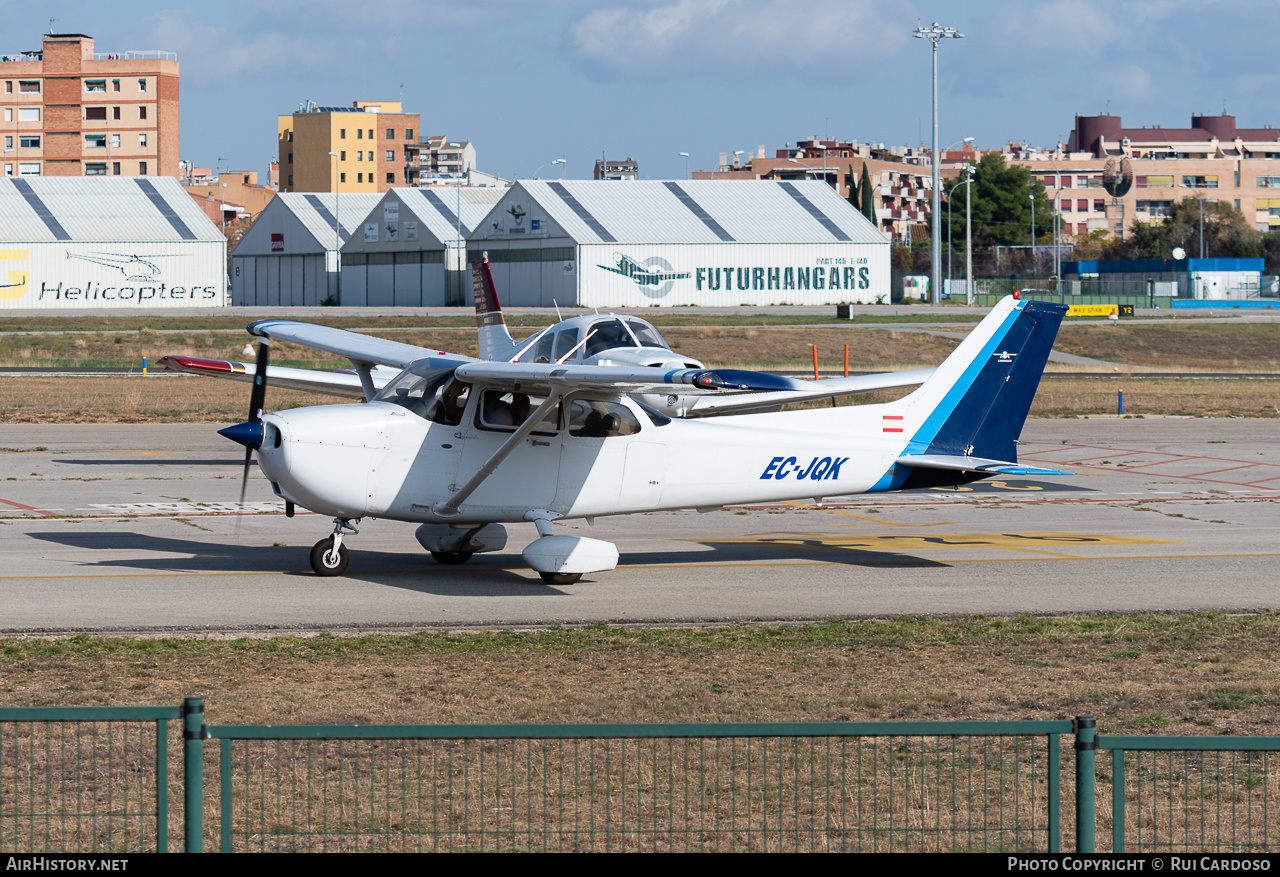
column 325, row 561
column 560, row 578
column 450, row 558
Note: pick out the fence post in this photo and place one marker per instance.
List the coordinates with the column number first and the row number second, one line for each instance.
column 193, row 768
column 1086, row 747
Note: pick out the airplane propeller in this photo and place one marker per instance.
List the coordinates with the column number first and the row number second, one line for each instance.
column 250, row 432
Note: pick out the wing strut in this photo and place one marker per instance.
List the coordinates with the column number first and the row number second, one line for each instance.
column 363, row 369
column 450, row 508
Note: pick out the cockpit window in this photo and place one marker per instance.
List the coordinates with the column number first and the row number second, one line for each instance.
column 590, row 418
column 566, row 340
column 430, row 392
column 606, row 335
column 646, row 334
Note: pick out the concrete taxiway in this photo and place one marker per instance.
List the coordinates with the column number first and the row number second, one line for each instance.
column 136, row 528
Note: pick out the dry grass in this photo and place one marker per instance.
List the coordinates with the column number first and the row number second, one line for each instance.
column 1216, row 397
column 1198, row 673
column 1166, row 345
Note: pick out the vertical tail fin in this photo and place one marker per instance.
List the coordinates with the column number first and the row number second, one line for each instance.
column 977, row 401
column 495, row 341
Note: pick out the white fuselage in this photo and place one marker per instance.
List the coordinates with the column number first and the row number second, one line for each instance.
column 381, row 460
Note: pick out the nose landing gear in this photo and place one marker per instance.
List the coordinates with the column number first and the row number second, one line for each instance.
column 329, row 557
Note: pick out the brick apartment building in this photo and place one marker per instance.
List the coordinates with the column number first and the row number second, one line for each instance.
column 371, row 140
column 900, row 184
column 1212, row 159
column 69, row 112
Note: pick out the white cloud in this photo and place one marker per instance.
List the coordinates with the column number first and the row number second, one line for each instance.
column 667, row 39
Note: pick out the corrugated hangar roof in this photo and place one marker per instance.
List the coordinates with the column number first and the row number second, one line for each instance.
column 437, row 207
column 701, row 211
column 37, row 209
column 315, row 211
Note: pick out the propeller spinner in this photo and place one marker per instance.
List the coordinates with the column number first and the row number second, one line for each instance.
column 249, row 433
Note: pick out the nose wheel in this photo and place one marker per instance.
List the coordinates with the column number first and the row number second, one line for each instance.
column 329, row 557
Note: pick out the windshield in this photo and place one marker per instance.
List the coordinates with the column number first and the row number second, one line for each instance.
column 646, row 334
column 606, row 335
column 428, row 389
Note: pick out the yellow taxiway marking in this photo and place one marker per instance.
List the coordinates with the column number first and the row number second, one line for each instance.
column 872, row 518
column 914, row 542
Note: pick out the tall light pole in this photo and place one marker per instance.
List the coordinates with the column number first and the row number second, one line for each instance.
column 337, row 234
column 1057, row 220
column 1199, row 198
column 933, row 33
column 968, row 238
column 686, row 164
column 966, row 182
column 1032, row 196
column 959, row 183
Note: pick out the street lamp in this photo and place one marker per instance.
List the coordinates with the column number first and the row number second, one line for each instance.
column 968, row 239
column 958, row 184
column 686, row 164
column 563, row 162
column 933, row 33
column 950, row 234
column 1199, row 198
column 549, row 164
column 337, row 235
column 1032, row 196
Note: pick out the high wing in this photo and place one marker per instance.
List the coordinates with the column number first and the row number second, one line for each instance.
column 354, row 346
column 376, row 360
column 542, row 378
column 807, row 391
column 736, row 391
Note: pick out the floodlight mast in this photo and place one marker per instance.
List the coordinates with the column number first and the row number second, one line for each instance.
column 933, row 33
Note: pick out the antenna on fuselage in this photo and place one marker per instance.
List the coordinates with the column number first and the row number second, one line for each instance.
column 559, row 319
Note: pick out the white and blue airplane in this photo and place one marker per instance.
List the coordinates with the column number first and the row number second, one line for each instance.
column 597, row 415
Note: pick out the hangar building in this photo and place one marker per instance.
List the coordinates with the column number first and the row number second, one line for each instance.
column 601, row 243
column 408, row 250
column 107, row 242
column 289, row 255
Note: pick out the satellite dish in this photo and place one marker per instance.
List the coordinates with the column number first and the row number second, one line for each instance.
column 1117, row 177
column 1179, row 253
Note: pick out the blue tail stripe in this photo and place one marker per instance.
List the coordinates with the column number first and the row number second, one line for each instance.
column 939, row 416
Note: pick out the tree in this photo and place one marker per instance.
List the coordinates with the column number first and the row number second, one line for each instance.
column 1001, row 208
column 853, row 191
column 1227, row 234
column 868, row 197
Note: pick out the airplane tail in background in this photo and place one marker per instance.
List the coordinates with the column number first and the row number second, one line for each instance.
column 495, row 341
column 968, row 415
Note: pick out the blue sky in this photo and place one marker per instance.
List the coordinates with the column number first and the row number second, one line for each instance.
column 529, row 82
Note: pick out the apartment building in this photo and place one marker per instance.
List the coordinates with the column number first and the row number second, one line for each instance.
column 1213, row 159
column 437, row 159
column 70, row 112
column 617, row 169
column 370, row 144
column 901, row 184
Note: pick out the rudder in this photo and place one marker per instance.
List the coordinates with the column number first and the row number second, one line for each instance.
column 982, row 412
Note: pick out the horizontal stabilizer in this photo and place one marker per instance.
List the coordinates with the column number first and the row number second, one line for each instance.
column 958, row 463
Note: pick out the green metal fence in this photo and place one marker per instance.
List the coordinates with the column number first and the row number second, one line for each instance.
column 81, row 779
column 836, row 786
column 1178, row 794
